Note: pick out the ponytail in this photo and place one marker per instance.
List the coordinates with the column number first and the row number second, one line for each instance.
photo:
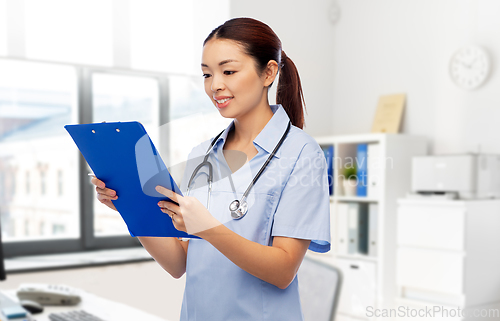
column 289, row 92
column 260, row 42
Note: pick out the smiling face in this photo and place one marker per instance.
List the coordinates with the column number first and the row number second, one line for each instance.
column 232, row 80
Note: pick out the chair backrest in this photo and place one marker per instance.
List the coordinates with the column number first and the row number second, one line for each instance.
column 319, row 289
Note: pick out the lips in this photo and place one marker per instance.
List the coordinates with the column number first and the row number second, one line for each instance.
column 222, row 101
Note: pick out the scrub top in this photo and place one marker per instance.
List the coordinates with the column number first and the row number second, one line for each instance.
column 290, row 199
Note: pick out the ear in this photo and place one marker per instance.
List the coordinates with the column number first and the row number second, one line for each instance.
column 270, row 72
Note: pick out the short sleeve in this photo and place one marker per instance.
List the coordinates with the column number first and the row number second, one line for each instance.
column 303, row 210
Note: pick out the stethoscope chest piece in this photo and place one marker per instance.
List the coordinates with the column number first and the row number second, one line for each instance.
column 238, row 209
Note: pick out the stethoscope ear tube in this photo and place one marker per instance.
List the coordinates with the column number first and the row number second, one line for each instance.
column 209, row 177
column 205, row 162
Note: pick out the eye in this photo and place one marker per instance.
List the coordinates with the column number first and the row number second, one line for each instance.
column 229, row 72
column 206, row 75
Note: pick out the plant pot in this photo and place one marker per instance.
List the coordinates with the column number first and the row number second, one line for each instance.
column 350, row 186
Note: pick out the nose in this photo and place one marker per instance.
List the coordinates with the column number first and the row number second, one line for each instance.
column 217, row 84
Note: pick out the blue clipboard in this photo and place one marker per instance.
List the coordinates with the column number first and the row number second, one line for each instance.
column 123, row 156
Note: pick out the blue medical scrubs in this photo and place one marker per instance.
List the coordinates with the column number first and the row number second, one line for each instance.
column 290, row 199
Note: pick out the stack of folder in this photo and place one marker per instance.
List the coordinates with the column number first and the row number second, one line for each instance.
column 356, row 228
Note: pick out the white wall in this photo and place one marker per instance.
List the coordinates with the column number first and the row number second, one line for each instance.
column 381, row 47
column 307, row 38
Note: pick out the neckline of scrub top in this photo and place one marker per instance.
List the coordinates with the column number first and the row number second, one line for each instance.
column 269, row 136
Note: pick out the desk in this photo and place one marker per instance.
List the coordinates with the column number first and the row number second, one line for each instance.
column 103, row 308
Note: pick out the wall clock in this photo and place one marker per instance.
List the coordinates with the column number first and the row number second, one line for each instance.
column 470, row 67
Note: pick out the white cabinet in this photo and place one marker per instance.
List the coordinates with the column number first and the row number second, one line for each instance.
column 359, row 286
column 430, row 269
column 369, row 279
column 427, row 226
column 448, row 252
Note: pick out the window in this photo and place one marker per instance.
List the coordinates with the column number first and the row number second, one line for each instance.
column 43, row 182
column 154, row 48
column 26, row 227
column 60, row 183
column 3, row 28
column 13, row 180
column 185, row 114
column 58, row 229
column 27, row 182
column 33, row 112
column 3, row 186
column 70, row 31
column 122, row 98
column 36, row 101
column 47, row 204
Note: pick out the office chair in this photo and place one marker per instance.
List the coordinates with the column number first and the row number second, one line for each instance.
column 319, row 289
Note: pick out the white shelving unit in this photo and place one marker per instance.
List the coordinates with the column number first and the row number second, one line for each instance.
column 370, row 281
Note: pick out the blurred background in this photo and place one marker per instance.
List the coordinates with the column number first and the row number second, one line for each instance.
column 74, row 61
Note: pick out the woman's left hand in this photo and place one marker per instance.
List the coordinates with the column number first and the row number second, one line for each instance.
column 190, row 215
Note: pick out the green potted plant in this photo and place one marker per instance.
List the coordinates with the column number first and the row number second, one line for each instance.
column 350, row 180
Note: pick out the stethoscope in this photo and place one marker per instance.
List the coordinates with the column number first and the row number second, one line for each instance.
column 239, row 207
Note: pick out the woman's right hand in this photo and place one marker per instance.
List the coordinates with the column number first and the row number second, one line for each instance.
column 104, row 195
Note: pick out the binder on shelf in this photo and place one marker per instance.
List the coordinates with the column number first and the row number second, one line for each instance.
column 329, row 151
column 342, row 212
column 374, row 170
column 373, row 229
column 353, row 217
column 358, row 219
column 362, row 173
column 363, row 228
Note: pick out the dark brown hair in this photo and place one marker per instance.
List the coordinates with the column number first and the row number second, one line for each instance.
column 260, row 42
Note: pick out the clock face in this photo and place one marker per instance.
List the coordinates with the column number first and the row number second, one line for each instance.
column 469, row 67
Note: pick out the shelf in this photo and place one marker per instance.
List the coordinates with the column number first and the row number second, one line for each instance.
column 392, row 181
column 354, row 199
column 361, row 257
column 329, row 258
column 366, row 138
column 351, row 139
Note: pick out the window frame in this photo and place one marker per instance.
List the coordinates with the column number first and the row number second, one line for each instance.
column 88, row 241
